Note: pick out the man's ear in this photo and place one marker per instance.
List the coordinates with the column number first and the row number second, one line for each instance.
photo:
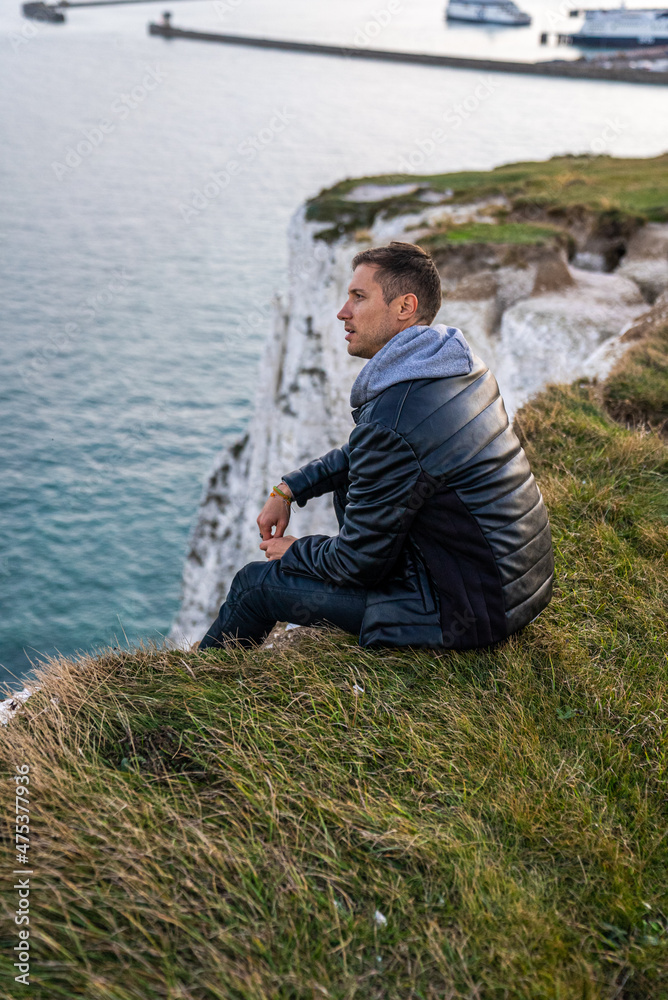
column 408, row 306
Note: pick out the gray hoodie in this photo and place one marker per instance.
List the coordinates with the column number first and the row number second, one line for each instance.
column 416, row 352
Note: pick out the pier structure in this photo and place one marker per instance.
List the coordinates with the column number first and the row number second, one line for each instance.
column 576, row 69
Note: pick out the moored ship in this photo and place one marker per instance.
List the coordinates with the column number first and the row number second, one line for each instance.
column 621, row 27
column 486, row 12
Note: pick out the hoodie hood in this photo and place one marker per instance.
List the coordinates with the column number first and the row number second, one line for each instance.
column 416, row 352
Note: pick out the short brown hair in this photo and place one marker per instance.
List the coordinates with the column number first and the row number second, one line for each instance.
column 404, row 268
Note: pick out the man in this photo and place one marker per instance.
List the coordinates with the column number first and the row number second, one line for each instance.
column 444, row 540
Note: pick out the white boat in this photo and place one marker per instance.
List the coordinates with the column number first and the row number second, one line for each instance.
column 486, row 12
column 622, row 27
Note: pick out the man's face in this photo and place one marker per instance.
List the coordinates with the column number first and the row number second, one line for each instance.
column 369, row 321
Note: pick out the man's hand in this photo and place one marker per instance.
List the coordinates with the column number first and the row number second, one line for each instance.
column 276, row 547
column 274, row 513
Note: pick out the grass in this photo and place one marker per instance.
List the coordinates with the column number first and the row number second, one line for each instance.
column 247, row 825
column 512, row 233
column 638, row 390
column 620, row 194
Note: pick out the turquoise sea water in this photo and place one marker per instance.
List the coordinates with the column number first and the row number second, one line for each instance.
column 131, row 326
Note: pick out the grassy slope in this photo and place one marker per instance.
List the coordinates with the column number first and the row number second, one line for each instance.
column 620, row 192
column 227, row 824
column 634, row 185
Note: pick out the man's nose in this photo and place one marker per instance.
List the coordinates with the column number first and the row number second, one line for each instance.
column 344, row 312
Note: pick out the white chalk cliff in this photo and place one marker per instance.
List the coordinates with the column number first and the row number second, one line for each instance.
column 533, row 321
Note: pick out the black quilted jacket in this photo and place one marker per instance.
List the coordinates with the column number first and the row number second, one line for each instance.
column 442, row 521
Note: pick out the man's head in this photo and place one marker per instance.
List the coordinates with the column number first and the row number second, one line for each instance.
column 392, row 288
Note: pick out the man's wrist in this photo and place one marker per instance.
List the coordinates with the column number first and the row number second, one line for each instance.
column 286, row 489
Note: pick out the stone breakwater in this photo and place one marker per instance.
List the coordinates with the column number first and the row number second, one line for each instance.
column 574, row 69
column 534, row 316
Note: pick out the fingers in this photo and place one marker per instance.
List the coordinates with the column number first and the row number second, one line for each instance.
column 281, row 525
column 274, row 549
column 266, row 520
column 273, row 513
column 265, row 529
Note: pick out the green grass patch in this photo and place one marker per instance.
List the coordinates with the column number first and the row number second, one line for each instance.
column 329, row 821
column 637, row 390
column 515, row 233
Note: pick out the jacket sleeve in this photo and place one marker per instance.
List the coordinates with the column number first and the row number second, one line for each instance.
column 322, row 475
column 383, row 473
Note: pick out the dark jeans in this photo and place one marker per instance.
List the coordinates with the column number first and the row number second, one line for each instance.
column 261, row 594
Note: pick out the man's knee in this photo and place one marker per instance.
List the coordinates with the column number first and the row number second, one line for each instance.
column 249, row 577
